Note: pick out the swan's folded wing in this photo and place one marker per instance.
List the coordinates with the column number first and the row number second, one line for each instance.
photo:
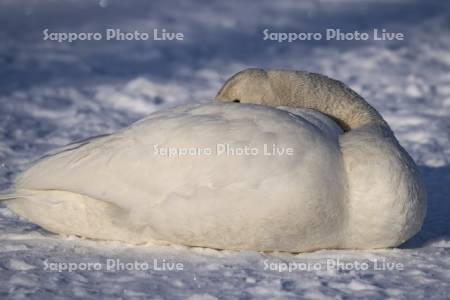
column 126, row 169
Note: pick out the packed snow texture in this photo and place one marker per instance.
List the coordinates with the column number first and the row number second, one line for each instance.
column 55, row 93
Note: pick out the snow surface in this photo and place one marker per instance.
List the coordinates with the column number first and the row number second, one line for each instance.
column 54, row 93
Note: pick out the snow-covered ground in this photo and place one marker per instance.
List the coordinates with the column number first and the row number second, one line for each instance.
column 54, row 93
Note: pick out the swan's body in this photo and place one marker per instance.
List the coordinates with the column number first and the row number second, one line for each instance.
column 357, row 189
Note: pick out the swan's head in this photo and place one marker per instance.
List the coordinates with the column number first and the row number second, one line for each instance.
column 248, row 86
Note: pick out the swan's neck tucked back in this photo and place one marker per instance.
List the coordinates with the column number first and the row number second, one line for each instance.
column 328, row 96
column 303, row 90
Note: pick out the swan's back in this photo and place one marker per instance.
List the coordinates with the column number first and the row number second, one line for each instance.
column 178, row 176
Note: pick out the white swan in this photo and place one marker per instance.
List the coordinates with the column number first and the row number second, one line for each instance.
column 350, row 188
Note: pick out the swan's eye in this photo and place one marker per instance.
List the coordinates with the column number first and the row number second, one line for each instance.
column 237, row 101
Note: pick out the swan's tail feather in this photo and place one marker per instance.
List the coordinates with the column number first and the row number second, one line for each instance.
column 12, row 195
